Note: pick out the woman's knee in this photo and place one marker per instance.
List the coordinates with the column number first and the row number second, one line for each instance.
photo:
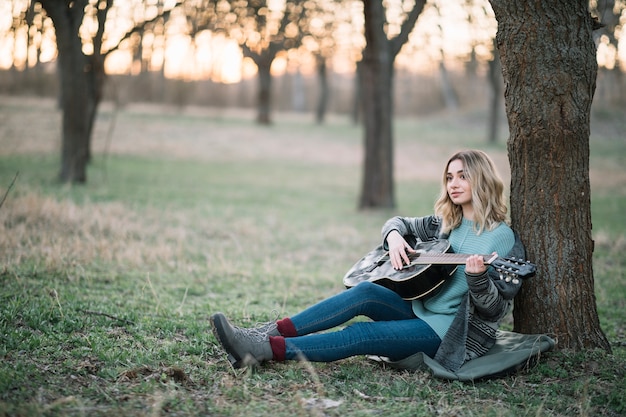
column 367, row 289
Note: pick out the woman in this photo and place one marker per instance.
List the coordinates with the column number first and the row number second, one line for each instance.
column 456, row 324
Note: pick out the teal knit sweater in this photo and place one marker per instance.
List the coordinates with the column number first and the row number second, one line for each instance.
column 439, row 310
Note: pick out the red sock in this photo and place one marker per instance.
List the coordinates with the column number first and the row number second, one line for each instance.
column 278, row 347
column 286, row 328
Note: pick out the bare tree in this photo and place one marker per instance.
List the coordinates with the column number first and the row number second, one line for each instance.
column 549, row 67
column 262, row 30
column 82, row 77
column 376, row 86
column 74, row 70
column 477, row 14
column 450, row 97
column 609, row 13
column 319, row 32
column 30, row 22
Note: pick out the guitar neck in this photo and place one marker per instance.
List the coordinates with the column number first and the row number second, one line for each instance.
column 445, row 258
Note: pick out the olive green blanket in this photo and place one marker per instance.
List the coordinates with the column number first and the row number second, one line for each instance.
column 511, row 353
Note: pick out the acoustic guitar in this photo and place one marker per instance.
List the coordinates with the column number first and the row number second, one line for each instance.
column 429, row 267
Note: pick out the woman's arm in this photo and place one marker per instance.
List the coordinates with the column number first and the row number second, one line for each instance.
column 422, row 228
column 491, row 295
column 397, row 229
column 487, row 300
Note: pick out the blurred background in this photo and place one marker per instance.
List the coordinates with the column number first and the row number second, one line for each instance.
column 214, row 53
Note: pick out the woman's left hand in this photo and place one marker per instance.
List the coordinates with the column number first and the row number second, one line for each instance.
column 475, row 265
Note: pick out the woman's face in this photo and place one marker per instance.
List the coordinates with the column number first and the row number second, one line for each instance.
column 458, row 186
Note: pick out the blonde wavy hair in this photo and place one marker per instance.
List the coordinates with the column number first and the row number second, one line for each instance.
column 487, row 193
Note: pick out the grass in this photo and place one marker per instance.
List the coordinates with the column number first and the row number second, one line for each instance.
column 107, row 288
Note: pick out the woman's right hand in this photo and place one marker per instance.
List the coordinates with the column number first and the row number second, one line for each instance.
column 398, row 250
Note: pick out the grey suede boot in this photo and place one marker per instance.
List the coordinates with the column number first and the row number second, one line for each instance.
column 245, row 347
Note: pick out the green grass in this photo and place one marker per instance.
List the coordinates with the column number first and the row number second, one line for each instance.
column 107, row 288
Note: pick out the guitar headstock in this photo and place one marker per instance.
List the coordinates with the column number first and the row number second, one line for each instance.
column 511, row 269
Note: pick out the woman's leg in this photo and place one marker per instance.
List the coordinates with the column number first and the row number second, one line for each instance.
column 395, row 332
column 365, row 299
column 396, row 339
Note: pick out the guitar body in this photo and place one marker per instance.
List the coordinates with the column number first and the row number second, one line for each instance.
column 411, row 282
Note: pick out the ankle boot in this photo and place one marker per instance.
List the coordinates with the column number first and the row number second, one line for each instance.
column 245, row 347
column 268, row 328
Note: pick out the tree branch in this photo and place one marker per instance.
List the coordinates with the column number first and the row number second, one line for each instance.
column 140, row 27
column 407, row 27
column 9, row 189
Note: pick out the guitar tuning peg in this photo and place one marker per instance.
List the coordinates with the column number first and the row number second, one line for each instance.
column 507, row 279
column 515, row 281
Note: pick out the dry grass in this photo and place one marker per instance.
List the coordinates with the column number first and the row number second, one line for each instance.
column 36, row 228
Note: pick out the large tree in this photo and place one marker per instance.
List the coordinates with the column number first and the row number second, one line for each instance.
column 549, row 65
column 376, row 86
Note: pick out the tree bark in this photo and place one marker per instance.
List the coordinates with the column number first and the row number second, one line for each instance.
column 549, row 67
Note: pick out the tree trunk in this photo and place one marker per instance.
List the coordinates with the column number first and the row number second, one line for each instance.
column 264, row 95
column 95, row 76
column 494, row 76
column 94, row 72
column 549, row 67
column 376, row 86
column 30, row 18
column 298, row 96
column 357, row 106
column 322, row 100
column 75, row 97
column 447, row 88
column 376, row 72
column 263, row 61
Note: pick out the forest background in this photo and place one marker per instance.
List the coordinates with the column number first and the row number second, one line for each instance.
column 171, row 59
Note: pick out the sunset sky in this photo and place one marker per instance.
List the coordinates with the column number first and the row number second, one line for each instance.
column 440, row 33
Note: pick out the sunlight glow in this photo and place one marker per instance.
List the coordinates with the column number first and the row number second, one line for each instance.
column 607, row 54
column 227, row 64
column 444, row 31
column 118, row 62
column 621, row 47
column 208, row 56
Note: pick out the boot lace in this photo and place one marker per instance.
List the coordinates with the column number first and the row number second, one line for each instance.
column 261, row 331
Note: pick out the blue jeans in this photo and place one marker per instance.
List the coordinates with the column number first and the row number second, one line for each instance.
column 395, row 331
